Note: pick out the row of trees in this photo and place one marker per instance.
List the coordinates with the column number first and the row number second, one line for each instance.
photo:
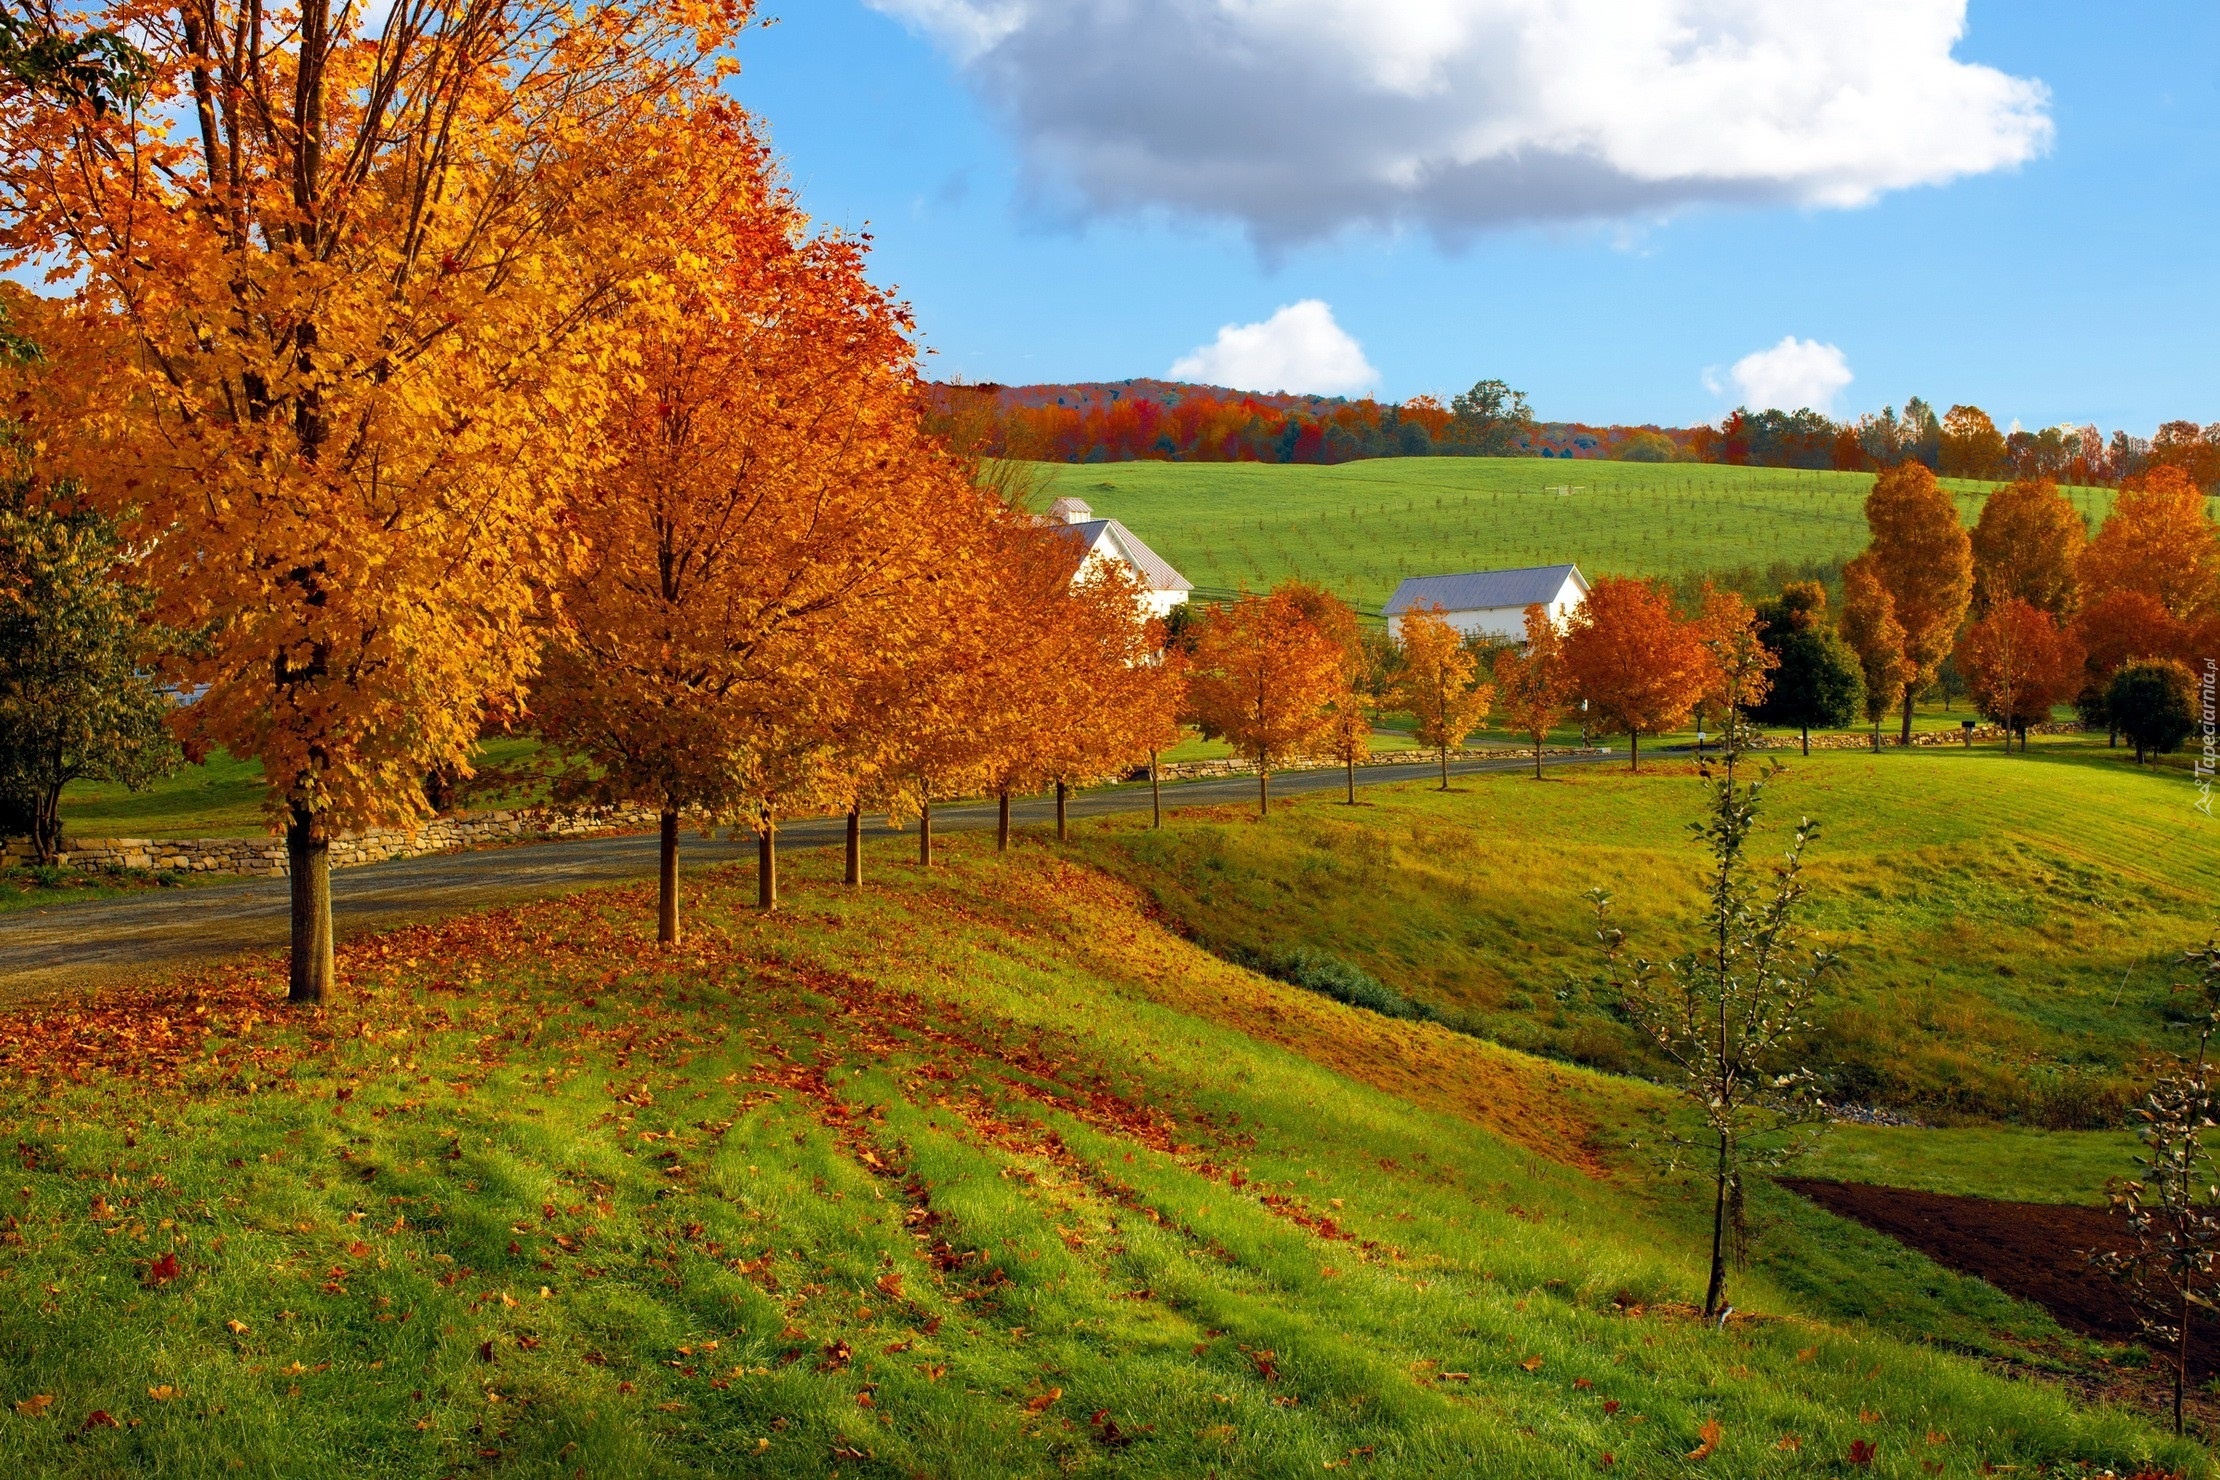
column 1162, row 421
column 475, row 369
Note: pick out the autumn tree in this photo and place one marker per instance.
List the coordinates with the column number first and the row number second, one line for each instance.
column 2027, row 545
column 1641, row 668
column 344, row 296
column 2018, row 662
column 1119, row 704
column 1438, row 682
column 764, row 540
column 2157, row 541
column 1265, row 680
column 1923, row 558
column 1349, row 729
column 1870, row 626
column 1972, row 447
column 2115, row 629
column 1533, row 685
column 1741, row 665
column 1817, row 679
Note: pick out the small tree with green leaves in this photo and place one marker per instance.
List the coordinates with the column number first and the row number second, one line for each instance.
column 1731, row 1013
column 2173, row 1210
column 77, row 696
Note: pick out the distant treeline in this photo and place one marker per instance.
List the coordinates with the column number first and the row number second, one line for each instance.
column 1165, row 421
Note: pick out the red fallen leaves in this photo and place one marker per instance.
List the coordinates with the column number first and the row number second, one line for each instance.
column 160, row 1272
column 1107, row 1432
column 100, row 1418
column 1861, row 1453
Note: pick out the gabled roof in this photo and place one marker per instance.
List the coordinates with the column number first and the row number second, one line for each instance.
column 1484, row 590
column 1156, row 574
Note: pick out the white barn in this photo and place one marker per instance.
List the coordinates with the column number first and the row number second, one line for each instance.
column 1162, row 588
column 1492, row 603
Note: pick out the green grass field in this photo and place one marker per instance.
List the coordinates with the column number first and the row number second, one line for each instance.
column 2007, row 923
column 982, row 1172
column 1360, row 527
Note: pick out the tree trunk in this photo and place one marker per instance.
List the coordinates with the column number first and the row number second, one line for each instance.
column 1538, row 738
column 1445, row 768
column 2181, row 1360
column 666, row 910
column 1263, row 792
column 1807, row 739
column 1634, row 750
column 1716, row 1293
column 767, row 863
column 308, row 861
column 1002, row 820
column 1156, row 795
column 1905, row 738
column 1349, row 759
column 46, row 824
column 925, row 832
column 1063, row 796
column 855, row 847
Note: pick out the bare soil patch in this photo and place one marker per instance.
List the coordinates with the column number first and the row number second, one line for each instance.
column 2036, row 1251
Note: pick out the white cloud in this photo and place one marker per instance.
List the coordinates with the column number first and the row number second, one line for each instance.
column 1790, row 376
column 1300, row 348
column 1299, row 117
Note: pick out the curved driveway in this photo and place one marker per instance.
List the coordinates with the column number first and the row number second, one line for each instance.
column 60, row 944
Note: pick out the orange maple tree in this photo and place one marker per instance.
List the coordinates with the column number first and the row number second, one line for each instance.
column 2027, row 544
column 1741, row 664
column 1640, row 667
column 2157, row 540
column 2117, row 628
column 2018, row 662
column 343, row 297
column 761, row 545
column 1869, row 625
column 1921, row 555
column 1437, row 681
column 1533, row 687
column 1265, row 680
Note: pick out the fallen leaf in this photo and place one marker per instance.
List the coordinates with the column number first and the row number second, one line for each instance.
column 1582, row 1382
column 237, row 1328
column 162, row 1394
column 161, row 1271
column 1709, row 1434
column 1532, row 1364
column 1807, row 1354
column 100, row 1418
column 1790, row 1443
column 33, row 1407
column 1036, row 1404
column 1861, row 1452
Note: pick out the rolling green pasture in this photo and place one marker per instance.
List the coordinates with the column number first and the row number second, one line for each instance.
column 980, row 1172
column 1358, row 528
column 2007, row 923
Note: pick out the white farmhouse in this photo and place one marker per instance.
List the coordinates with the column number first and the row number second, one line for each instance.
column 1492, row 603
column 1162, row 588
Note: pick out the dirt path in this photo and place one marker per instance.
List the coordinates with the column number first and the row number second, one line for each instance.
column 2037, row 1251
column 64, row 945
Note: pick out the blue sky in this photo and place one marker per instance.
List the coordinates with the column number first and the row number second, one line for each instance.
column 2082, row 284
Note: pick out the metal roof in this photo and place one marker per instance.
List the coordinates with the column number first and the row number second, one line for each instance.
column 1483, row 590
column 1156, row 574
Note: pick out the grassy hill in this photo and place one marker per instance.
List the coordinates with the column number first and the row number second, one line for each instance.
column 2008, row 923
column 1361, row 527
column 988, row 1171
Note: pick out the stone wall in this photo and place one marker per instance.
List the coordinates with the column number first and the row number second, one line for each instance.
column 265, row 856
column 1992, row 733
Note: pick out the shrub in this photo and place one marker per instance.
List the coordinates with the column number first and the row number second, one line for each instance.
column 2154, row 704
column 1330, row 976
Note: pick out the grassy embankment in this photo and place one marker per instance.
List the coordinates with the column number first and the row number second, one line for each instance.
column 2007, row 923
column 982, row 1172
column 1358, row 528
